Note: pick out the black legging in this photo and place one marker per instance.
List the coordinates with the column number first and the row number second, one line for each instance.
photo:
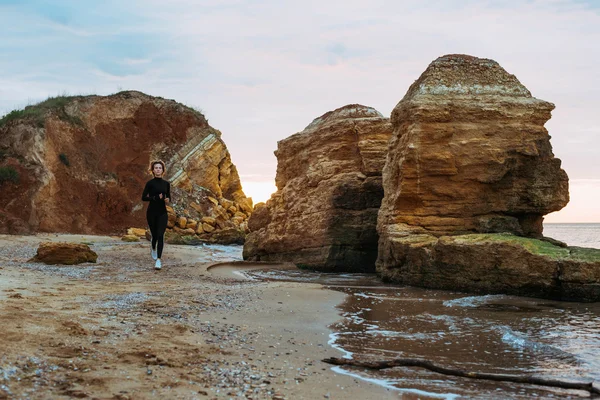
column 158, row 226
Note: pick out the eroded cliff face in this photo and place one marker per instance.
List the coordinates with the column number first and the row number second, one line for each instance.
column 470, row 154
column 324, row 213
column 82, row 164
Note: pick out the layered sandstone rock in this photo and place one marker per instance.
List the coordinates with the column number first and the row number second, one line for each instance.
column 82, row 164
column 324, row 212
column 469, row 154
column 64, row 253
column 495, row 263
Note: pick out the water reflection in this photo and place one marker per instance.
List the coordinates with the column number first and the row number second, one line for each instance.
column 496, row 334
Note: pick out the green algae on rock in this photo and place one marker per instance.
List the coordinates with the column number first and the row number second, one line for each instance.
column 494, row 263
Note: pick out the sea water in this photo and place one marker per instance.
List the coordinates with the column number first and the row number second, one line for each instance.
column 492, row 334
column 582, row 235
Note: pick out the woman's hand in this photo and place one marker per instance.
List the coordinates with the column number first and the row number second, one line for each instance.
column 162, row 197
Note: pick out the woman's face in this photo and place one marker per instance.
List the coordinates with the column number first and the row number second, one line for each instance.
column 157, row 169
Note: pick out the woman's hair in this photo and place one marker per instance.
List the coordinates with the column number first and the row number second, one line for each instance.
column 161, row 162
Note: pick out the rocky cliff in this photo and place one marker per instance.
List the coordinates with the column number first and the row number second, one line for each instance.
column 324, row 212
column 79, row 164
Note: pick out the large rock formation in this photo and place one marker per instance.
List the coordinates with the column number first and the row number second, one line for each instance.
column 324, row 212
column 79, row 164
column 470, row 155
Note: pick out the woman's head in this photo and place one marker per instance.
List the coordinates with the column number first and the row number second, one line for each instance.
column 157, row 168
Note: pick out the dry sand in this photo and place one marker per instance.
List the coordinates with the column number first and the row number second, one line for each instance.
column 118, row 329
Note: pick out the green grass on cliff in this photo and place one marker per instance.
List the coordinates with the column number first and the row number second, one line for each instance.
column 9, row 174
column 585, row 254
column 195, row 110
column 535, row 246
column 38, row 112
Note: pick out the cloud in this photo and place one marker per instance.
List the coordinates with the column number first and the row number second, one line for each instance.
column 136, row 61
column 263, row 70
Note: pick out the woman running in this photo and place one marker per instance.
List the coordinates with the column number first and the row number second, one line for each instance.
column 158, row 193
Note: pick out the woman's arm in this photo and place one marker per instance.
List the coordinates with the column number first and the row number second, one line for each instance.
column 145, row 193
column 168, row 194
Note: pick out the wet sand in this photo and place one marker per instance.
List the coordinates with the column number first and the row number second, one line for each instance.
column 118, row 329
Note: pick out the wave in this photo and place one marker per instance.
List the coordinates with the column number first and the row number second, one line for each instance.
column 389, row 384
column 473, row 301
column 520, row 341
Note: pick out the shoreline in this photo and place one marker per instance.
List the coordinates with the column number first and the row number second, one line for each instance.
column 183, row 332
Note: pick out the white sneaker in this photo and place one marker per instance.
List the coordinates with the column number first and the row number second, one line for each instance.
column 158, row 264
column 154, row 254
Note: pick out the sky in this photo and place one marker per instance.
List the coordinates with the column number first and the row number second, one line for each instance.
column 263, row 70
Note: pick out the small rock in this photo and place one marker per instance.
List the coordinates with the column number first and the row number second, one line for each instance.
column 64, row 253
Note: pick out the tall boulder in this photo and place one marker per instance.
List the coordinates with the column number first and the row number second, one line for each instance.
column 79, row 164
column 323, row 215
column 470, row 154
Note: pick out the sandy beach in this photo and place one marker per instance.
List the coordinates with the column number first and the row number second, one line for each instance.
column 118, row 329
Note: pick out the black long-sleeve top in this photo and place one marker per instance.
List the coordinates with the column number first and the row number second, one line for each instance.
column 153, row 188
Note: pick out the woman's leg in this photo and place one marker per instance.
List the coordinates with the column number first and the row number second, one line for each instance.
column 152, row 224
column 161, row 227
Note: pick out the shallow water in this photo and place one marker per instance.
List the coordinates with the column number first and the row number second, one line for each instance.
column 497, row 334
column 324, row 278
column 220, row 253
